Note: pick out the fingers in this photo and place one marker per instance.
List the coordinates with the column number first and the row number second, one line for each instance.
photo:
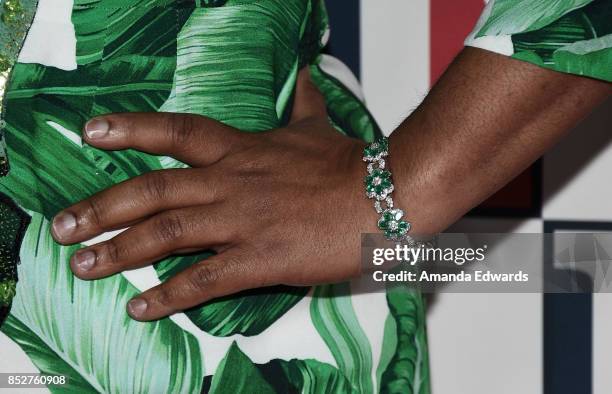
column 131, row 201
column 192, row 139
column 308, row 101
column 220, row 275
column 152, row 240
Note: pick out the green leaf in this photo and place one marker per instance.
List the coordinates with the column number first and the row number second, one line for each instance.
column 113, row 28
column 239, row 80
column 46, row 107
column 578, row 42
column 590, row 57
column 45, row 358
column 334, row 318
column 43, row 123
column 238, row 374
column 80, row 328
column 516, row 16
column 247, row 313
column 407, row 370
column 305, row 376
column 389, row 347
column 345, row 110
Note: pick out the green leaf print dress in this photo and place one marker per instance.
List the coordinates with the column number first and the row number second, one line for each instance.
column 65, row 61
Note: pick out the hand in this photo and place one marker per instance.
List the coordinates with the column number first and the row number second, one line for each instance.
column 281, row 207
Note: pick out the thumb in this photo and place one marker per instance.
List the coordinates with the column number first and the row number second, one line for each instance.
column 308, row 101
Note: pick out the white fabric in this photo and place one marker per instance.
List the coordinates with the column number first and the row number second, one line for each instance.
column 51, row 40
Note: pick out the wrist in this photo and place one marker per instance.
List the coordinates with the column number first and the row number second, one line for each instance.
column 393, row 221
column 418, row 191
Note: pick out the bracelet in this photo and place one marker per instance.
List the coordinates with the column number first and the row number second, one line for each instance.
column 379, row 186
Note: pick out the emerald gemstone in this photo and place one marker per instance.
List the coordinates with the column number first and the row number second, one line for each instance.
column 376, row 149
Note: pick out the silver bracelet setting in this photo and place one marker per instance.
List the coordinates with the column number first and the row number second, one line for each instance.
column 379, row 187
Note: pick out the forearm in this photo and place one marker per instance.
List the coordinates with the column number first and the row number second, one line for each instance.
column 486, row 120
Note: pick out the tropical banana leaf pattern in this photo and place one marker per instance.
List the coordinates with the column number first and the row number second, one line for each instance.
column 235, row 61
column 571, row 36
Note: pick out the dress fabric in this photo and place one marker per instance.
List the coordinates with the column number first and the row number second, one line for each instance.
column 235, row 61
column 570, row 36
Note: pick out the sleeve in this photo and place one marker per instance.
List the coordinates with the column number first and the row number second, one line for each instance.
column 570, row 36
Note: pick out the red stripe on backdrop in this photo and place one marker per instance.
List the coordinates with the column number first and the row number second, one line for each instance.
column 450, row 22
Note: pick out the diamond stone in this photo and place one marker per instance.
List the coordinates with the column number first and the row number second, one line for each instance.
column 389, row 202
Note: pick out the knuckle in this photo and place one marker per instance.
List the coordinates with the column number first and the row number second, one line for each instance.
column 250, row 177
column 234, row 266
column 164, row 296
column 181, row 129
column 205, row 274
column 94, row 212
column 113, row 252
column 169, row 227
column 155, row 186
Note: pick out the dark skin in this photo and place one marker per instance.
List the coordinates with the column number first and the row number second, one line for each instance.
column 288, row 206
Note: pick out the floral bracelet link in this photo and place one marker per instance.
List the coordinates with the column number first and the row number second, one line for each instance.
column 379, row 186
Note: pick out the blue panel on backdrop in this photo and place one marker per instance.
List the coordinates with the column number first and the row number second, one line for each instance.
column 568, row 321
column 344, row 40
column 567, row 343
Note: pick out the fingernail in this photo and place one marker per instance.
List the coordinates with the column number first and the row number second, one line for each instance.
column 85, row 260
column 64, row 224
column 97, row 128
column 137, row 307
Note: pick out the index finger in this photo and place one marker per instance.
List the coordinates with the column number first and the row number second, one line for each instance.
column 192, row 139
